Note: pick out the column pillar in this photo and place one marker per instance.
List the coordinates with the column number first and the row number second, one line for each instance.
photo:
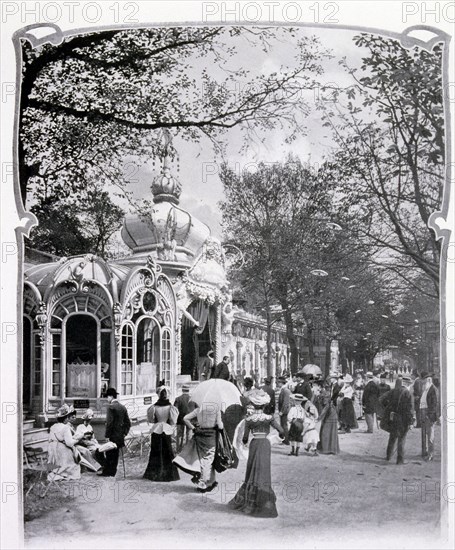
column 239, row 356
column 334, row 355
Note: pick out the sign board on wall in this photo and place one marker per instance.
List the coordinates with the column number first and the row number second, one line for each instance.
column 81, row 379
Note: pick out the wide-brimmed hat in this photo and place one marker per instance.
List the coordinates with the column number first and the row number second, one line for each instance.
column 88, row 414
column 65, row 410
column 369, row 374
column 259, row 397
column 299, row 397
column 348, row 378
column 425, row 375
column 111, row 392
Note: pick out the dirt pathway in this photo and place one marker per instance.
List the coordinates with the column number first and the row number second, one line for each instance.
column 355, row 499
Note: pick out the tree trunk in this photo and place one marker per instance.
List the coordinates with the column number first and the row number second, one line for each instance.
column 310, row 330
column 292, row 342
column 327, row 357
column 344, row 361
column 269, row 344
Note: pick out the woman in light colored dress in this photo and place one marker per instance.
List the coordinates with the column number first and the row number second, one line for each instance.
column 358, row 393
column 62, row 454
column 310, row 435
column 86, row 443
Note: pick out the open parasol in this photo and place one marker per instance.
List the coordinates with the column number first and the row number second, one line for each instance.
column 312, row 369
column 217, row 392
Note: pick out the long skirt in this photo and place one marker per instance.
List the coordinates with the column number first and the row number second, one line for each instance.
column 358, row 403
column 348, row 417
column 256, row 496
column 62, row 458
column 328, row 434
column 160, row 466
column 197, row 457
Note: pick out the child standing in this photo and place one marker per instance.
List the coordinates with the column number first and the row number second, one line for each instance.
column 296, row 418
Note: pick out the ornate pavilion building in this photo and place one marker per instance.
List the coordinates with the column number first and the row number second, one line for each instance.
column 137, row 320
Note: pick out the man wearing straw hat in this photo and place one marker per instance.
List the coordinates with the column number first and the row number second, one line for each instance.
column 182, row 402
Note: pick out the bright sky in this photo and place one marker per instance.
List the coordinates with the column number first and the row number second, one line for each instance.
column 202, row 188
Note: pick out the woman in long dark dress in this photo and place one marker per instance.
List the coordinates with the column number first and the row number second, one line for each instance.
column 256, row 496
column 328, row 434
column 163, row 415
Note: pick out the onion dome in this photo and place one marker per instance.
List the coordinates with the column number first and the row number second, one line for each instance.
column 166, row 187
column 167, row 231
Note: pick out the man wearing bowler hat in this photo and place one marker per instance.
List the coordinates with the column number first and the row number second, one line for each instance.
column 118, row 424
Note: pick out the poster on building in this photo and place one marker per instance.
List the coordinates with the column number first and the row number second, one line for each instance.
column 146, row 378
column 81, row 379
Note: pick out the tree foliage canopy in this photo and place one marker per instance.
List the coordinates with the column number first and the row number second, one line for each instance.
column 91, row 101
column 389, row 128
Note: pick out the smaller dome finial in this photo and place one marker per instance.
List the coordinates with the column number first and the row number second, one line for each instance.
column 166, row 187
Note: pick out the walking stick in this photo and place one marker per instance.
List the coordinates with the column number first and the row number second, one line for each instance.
column 123, row 461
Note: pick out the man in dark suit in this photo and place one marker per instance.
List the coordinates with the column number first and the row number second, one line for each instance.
column 118, row 424
column 284, row 406
column 182, row 402
column 398, row 413
column 304, row 386
column 222, row 369
column 370, row 401
column 267, row 387
column 429, row 414
column 383, row 389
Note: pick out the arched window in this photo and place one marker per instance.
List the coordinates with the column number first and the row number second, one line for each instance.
column 81, row 356
column 166, row 356
column 147, row 355
column 126, row 372
column 81, row 342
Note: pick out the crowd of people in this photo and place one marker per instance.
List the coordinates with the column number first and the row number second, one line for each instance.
column 305, row 412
